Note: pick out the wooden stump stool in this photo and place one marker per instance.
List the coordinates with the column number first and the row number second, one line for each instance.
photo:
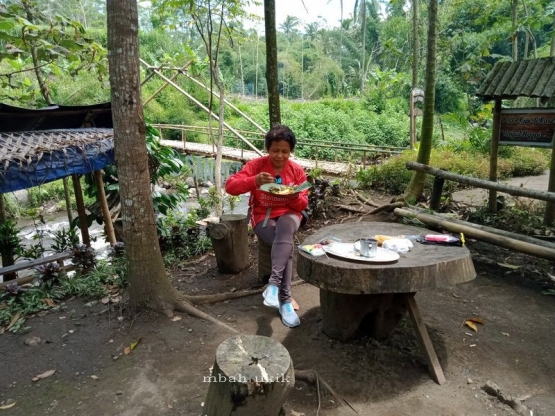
column 252, row 375
column 264, row 262
column 229, row 239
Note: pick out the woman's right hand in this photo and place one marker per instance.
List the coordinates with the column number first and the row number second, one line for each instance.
column 262, row 178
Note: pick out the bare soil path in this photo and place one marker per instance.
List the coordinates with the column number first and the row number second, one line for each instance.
column 165, row 373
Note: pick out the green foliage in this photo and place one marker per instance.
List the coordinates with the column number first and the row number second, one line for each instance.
column 49, row 275
column 65, row 240
column 12, row 206
column 393, row 177
column 84, row 257
column 40, row 50
column 8, row 236
column 180, row 237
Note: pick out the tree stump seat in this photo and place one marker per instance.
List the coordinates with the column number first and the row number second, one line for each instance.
column 252, row 375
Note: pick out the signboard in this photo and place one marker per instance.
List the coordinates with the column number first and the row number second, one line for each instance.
column 532, row 127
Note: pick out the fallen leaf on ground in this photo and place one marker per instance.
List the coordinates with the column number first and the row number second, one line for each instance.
column 105, row 300
column 2, row 329
column 49, row 302
column 509, row 266
column 177, row 318
column 130, row 348
column 7, row 406
column 95, row 377
column 476, row 319
column 505, row 333
column 44, row 375
column 15, row 318
column 471, row 325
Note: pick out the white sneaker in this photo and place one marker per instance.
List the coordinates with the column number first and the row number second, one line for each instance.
column 288, row 315
column 270, row 296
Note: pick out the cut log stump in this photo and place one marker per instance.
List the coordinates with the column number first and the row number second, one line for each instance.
column 230, row 242
column 252, row 375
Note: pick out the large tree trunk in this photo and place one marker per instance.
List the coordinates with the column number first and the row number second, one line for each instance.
column 416, row 185
column 272, row 62
column 148, row 284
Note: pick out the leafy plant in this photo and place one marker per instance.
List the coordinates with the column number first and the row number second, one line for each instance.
column 9, row 239
column 65, row 240
column 84, row 257
column 49, row 274
column 13, row 290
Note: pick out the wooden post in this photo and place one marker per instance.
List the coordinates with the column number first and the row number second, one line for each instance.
column 252, row 375
column 435, row 199
column 364, row 159
column 424, row 339
column 104, row 206
column 230, row 242
column 83, row 225
column 67, row 196
column 496, row 130
column 549, row 214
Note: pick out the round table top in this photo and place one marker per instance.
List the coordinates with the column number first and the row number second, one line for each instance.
column 424, row 267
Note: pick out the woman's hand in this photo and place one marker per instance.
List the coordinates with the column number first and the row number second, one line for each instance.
column 262, row 178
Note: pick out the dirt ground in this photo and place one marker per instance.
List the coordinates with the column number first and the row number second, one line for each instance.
column 164, row 374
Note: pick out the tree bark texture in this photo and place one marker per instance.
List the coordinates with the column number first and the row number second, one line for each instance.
column 230, row 240
column 272, row 82
column 252, row 375
column 416, row 185
column 148, row 283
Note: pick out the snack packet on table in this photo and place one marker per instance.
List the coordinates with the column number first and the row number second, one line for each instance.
column 398, row 245
column 313, row 249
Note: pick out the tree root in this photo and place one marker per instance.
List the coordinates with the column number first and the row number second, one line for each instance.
column 182, row 305
column 311, row 376
column 387, row 208
column 364, row 200
column 349, row 209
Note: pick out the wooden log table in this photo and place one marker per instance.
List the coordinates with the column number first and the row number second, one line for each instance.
column 359, row 297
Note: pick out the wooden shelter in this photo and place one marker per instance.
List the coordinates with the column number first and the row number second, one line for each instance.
column 534, row 127
column 40, row 146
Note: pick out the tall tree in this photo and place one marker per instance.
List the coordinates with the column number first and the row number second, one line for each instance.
column 272, row 80
column 416, row 185
column 149, row 286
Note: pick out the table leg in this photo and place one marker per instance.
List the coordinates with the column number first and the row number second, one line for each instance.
column 346, row 316
column 425, row 342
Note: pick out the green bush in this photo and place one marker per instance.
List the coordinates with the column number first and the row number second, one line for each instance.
column 393, row 177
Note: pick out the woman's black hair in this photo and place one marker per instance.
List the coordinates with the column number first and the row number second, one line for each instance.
column 280, row 132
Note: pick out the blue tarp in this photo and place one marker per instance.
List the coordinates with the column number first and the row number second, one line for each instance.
column 56, row 165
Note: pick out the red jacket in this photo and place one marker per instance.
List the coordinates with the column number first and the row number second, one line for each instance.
column 245, row 181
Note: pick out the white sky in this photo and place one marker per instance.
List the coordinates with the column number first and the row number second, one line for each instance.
column 325, row 12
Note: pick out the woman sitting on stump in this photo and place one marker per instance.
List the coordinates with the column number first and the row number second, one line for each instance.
column 275, row 218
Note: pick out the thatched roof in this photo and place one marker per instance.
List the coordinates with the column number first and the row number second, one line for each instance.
column 39, row 146
column 533, row 78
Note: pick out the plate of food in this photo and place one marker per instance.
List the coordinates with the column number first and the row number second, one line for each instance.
column 347, row 251
column 278, row 189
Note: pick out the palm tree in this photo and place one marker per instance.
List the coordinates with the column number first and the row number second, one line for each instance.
column 289, row 25
column 416, row 185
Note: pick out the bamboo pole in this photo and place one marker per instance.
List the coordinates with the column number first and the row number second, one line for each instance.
column 496, row 130
column 202, row 106
column 174, row 76
column 498, row 240
column 104, row 206
column 481, row 183
column 526, row 238
column 549, row 214
column 67, row 197
column 83, row 225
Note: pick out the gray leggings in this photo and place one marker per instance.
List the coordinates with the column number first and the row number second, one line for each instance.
column 278, row 233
